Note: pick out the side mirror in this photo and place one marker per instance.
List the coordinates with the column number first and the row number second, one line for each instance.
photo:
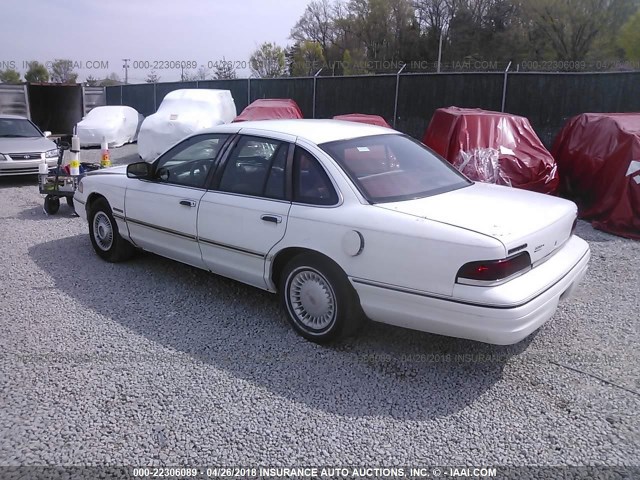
column 140, row 170
column 46, row 133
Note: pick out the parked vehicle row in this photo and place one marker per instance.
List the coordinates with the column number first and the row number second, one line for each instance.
column 491, row 147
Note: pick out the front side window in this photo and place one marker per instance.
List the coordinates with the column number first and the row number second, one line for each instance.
column 311, row 184
column 389, row 168
column 189, row 163
column 256, row 167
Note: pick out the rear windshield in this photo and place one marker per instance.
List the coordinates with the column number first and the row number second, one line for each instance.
column 390, row 168
column 17, row 127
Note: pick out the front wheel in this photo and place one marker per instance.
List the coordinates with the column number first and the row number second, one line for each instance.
column 320, row 303
column 104, row 234
column 51, row 205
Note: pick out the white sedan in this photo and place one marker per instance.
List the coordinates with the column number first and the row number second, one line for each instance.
column 345, row 221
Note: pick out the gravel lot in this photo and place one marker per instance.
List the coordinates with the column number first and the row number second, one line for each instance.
column 152, row 362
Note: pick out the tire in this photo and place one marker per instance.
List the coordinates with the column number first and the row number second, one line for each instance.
column 104, row 234
column 51, row 205
column 318, row 299
column 70, row 202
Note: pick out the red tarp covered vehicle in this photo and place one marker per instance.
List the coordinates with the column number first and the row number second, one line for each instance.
column 493, row 147
column 363, row 118
column 270, row 109
column 598, row 156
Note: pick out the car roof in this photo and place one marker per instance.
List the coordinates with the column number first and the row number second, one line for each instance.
column 316, row 131
column 6, row 115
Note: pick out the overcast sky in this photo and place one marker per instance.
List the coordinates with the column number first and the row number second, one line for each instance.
column 100, row 31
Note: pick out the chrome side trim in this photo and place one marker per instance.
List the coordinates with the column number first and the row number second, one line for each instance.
column 162, row 229
column 409, row 291
column 491, row 283
column 231, row 247
column 244, row 195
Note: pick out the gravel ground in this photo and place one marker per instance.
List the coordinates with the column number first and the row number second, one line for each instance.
column 155, row 363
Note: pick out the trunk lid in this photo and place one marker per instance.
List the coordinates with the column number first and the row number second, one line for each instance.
column 521, row 220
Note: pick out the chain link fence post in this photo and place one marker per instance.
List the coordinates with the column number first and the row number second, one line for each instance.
column 315, row 79
column 504, row 87
column 395, row 104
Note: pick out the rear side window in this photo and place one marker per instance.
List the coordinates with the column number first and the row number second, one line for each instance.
column 256, row 167
column 311, row 184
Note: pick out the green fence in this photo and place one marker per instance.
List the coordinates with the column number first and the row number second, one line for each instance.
column 409, row 100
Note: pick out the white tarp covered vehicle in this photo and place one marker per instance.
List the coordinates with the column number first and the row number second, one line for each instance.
column 117, row 124
column 181, row 113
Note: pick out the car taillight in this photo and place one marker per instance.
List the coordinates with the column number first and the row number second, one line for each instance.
column 80, row 186
column 493, row 272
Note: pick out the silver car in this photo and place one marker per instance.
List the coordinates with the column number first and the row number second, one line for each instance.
column 21, row 144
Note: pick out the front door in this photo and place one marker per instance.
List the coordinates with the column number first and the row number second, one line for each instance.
column 161, row 214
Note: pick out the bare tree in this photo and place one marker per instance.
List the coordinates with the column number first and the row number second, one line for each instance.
column 62, row 71
column 225, row 70
column 201, row 74
column 629, row 38
column 110, row 80
column 316, row 24
column 153, row 77
column 570, row 26
column 434, row 15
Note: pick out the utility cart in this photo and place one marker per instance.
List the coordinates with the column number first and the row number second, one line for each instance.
column 57, row 183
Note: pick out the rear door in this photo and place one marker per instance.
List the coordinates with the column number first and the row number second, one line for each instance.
column 244, row 214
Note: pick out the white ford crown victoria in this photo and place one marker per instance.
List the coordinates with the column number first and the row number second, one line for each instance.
column 344, row 221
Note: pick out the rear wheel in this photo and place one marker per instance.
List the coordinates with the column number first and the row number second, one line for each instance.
column 104, row 234
column 320, row 303
column 70, row 202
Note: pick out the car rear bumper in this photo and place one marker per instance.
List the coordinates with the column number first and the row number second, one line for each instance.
column 23, row 167
column 93, row 138
column 499, row 324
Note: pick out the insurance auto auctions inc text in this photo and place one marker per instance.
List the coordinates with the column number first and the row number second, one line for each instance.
column 363, row 472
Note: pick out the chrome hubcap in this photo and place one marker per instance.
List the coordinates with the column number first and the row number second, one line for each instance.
column 312, row 299
column 102, row 231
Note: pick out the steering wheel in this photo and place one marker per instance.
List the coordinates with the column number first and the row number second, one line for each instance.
column 199, row 169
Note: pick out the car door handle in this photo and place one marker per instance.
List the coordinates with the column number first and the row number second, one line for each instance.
column 188, row 203
column 272, row 218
